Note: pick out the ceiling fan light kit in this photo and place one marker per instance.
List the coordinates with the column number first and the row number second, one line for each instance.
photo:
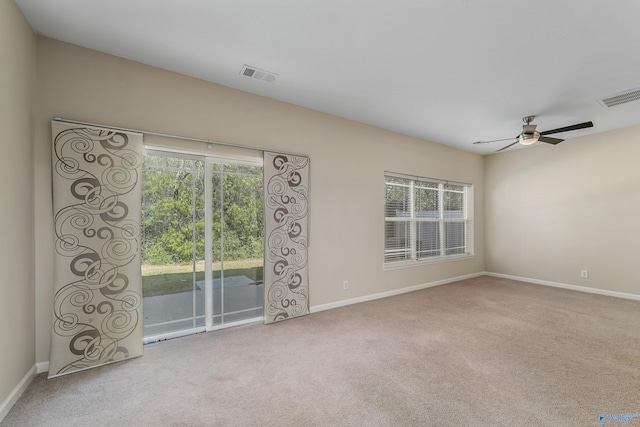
column 528, row 138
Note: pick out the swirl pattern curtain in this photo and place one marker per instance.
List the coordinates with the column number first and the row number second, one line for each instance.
column 286, row 198
column 98, row 286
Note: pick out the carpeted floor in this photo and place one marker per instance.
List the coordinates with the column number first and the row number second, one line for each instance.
column 481, row 352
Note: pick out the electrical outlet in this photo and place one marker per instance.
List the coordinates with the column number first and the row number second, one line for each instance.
column 345, row 284
column 584, row 274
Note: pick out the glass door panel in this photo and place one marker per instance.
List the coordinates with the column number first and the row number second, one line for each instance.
column 173, row 243
column 238, row 242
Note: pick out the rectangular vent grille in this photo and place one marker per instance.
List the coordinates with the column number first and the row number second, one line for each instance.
column 258, row 74
column 623, row 98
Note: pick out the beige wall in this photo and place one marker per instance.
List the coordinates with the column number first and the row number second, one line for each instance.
column 348, row 160
column 553, row 211
column 17, row 89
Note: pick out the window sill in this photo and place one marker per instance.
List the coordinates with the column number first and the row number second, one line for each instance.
column 421, row 263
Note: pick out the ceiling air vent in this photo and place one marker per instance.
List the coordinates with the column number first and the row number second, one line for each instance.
column 623, row 98
column 258, row 74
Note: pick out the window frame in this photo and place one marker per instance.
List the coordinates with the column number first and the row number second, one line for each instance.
column 411, row 241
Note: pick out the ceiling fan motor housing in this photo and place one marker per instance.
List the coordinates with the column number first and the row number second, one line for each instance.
column 529, row 135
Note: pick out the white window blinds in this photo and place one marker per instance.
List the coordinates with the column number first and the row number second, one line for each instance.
column 426, row 219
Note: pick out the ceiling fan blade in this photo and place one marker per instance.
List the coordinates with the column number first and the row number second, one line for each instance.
column 492, row 140
column 550, row 140
column 568, row 128
column 504, row 148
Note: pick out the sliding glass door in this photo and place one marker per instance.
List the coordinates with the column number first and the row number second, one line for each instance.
column 197, row 209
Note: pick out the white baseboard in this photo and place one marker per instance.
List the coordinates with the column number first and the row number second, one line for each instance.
column 342, row 303
column 42, row 367
column 566, row 286
column 12, row 398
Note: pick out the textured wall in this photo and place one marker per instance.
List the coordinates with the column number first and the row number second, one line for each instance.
column 17, row 88
column 348, row 161
column 553, row 211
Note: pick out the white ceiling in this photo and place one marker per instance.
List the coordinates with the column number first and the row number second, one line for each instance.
column 447, row 71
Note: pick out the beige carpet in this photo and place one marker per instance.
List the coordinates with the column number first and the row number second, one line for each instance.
column 479, row 352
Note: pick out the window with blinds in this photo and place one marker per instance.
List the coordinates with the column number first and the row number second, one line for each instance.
column 426, row 220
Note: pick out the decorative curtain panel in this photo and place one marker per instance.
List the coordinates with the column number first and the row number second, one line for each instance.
column 286, row 199
column 98, row 285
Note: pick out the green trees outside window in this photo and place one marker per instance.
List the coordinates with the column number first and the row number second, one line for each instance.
column 173, row 211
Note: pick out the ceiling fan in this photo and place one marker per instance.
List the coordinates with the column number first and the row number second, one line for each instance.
column 529, row 135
